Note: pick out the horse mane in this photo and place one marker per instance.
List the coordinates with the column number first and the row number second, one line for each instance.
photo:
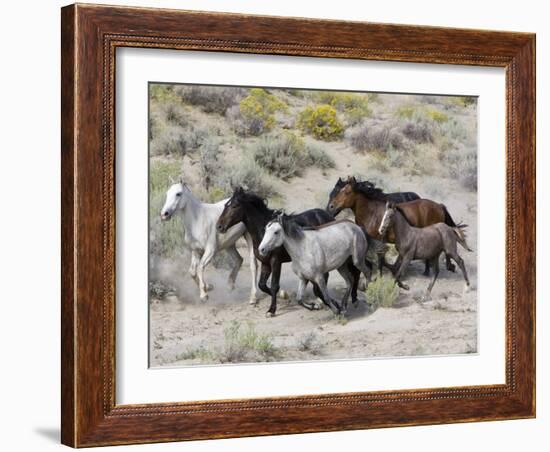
column 251, row 199
column 368, row 189
column 291, row 227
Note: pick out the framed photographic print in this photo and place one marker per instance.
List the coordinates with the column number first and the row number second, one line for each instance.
column 281, row 225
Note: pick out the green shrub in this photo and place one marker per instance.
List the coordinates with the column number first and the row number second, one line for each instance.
column 436, row 115
column 354, row 106
column 322, row 122
column 210, row 162
column 286, row 155
column 461, row 162
column 246, row 344
column 418, row 129
column 372, row 136
column 382, row 291
column 165, row 237
column 463, row 101
column 244, row 127
column 316, row 156
column 212, row 99
column 261, row 106
column 174, row 140
column 249, row 174
column 161, row 93
column 405, row 112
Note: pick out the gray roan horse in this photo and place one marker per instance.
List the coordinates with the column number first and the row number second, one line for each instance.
column 425, row 243
column 201, row 236
column 318, row 250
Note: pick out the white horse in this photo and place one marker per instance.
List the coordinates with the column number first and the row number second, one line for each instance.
column 318, row 250
column 199, row 221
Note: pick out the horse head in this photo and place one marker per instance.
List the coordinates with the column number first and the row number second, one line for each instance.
column 233, row 211
column 175, row 199
column 342, row 196
column 273, row 236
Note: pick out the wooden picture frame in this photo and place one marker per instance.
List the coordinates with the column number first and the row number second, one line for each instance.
column 90, row 35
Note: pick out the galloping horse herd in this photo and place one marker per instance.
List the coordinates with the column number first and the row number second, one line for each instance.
column 314, row 241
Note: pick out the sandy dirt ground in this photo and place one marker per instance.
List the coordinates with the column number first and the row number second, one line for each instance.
column 190, row 332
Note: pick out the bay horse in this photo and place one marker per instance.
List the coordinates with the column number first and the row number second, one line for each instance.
column 425, row 243
column 399, row 196
column 318, row 250
column 368, row 205
column 253, row 212
column 201, row 236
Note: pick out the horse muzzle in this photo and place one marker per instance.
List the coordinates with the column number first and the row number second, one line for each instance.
column 333, row 210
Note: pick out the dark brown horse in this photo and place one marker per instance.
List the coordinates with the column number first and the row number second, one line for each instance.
column 252, row 210
column 369, row 204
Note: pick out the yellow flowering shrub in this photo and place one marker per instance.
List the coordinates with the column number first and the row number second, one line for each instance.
column 322, row 122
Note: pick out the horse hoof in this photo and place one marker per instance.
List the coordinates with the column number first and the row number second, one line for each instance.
column 269, row 314
column 209, row 287
column 404, row 286
column 204, row 298
column 252, row 302
column 284, row 295
column 426, row 297
column 231, row 286
column 467, row 288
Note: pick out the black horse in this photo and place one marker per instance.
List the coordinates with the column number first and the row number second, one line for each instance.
column 252, row 210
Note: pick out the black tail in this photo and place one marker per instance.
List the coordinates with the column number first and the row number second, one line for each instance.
column 448, row 219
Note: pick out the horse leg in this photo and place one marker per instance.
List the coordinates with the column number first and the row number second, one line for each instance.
column 355, row 274
column 237, row 261
column 204, row 261
column 358, row 257
column 348, row 278
column 318, row 292
column 300, row 294
column 253, row 269
column 426, row 268
column 195, row 257
column 406, row 260
column 450, row 265
column 275, row 279
column 460, row 263
column 264, row 276
column 381, row 263
column 435, row 264
column 320, row 280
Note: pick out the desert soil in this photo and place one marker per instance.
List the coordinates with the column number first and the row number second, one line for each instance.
column 191, row 332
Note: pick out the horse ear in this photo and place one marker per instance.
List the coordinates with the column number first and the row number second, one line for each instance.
column 352, row 180
column 340, row 180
